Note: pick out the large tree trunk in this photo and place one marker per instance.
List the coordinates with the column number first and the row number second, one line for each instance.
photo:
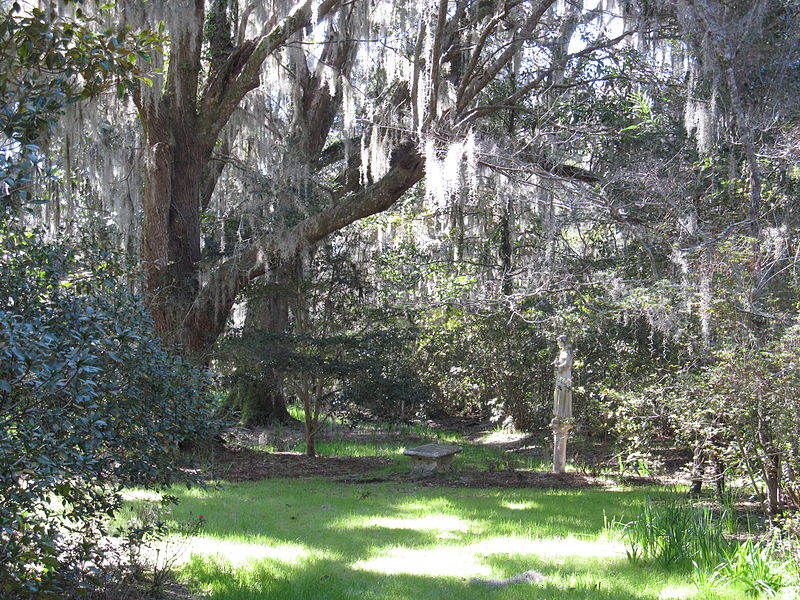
column 177, row 156
column 171, row 235
column 259, row 402
column 259, row 397
column 182, row 126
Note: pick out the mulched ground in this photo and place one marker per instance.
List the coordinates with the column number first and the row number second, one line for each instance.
column 235, row 463
column 235, row 460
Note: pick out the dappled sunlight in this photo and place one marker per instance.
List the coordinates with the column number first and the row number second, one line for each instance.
column 501, row 437
column 470, row 560
column 446, row 561
column 239, row 553
column 425, row 505
column 520, row 505
column 678, row 592
column 198, row 492
column 140, row 495
column 549, row 547
column 442, row 523
column 133, row 495
column 402, row 540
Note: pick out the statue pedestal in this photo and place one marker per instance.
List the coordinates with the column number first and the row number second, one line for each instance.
column 561, row 428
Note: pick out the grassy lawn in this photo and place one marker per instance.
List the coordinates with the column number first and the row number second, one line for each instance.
column 319, row 539
column 389, row 537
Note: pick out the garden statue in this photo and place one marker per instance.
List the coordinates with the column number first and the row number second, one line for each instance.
column 562, row 404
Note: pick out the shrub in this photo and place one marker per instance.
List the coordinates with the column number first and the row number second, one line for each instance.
column 89, row 402
column 382, row 383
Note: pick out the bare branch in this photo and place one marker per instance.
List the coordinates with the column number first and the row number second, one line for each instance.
column 472, row 89
column 542, row 76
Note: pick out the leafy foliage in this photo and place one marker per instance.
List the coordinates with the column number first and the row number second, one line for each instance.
column 385, row 384
column 49, row 61
column 675, row 535
column 88, row 402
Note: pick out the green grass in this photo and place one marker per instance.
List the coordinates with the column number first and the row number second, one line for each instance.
column 474, row 457
column 318, row 539
column 390, row 440
column 321, row 539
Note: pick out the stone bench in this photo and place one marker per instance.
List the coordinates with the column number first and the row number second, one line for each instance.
column 431, row 458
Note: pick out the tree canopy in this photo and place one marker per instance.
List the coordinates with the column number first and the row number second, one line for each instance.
column 394, row 208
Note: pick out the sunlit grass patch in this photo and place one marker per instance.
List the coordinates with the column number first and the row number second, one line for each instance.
column 140, row 495
column 238, row 552
column 474, row 457
column 519, row 505
column 477, row 559
column 315, row 538
column 355, row 448
column 318, row 539
column 438, row 523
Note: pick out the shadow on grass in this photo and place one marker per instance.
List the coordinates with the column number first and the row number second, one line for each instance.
column 318, row 512
column 391, row 540
column 336, row 580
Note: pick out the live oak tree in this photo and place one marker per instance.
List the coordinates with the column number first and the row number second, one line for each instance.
column 337, row 110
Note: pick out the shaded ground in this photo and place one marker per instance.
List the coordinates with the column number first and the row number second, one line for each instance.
column 132, row 591
column 510, row 478
column 285, row 438
column 243, row 464
column 236, row 463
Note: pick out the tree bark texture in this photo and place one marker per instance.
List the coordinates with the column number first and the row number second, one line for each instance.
column 259, row 402
column 259, row 397
column 181, row 129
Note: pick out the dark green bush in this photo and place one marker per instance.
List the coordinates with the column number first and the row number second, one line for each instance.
column 382, row 383
column 89, row 402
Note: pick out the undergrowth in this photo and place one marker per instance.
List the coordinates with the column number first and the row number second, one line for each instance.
column 675, row 535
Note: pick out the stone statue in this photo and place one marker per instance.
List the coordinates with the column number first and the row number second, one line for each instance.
column 562, row 403
column 562, row 396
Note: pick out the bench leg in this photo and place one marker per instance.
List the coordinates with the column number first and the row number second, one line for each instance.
column 444, row 463
column 420, row 467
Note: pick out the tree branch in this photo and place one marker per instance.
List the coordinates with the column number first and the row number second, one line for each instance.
column 241, row 72
column 524, row 90
column 436, row 63
column 212, row 305
column 468, row 92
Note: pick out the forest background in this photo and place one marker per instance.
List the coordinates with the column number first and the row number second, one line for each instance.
column 391, row 210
